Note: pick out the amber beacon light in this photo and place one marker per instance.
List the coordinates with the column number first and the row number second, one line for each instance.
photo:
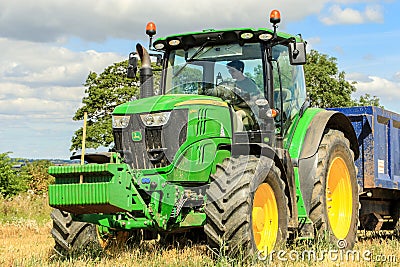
column 151, row 29
column 275, row 16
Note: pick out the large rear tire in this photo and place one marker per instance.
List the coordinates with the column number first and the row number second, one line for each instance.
column 73, row 237
column 247, row 209
column 335, row 202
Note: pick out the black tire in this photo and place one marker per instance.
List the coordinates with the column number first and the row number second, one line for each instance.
column 73, row 237
column 334, row 211
column 230, row 206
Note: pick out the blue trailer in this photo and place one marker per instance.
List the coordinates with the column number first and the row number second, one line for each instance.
column 378, row 134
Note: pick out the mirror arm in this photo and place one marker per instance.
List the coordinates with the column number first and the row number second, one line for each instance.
column 295, row 50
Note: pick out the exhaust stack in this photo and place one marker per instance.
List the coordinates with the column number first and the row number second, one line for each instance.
column 146, row 73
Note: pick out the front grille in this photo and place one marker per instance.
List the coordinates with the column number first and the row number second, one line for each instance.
column 153, row 138
column 158, row 145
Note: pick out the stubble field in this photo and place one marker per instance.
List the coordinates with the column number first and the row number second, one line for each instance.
column 25, row 240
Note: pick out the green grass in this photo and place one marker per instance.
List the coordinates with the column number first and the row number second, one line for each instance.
column 25, row 207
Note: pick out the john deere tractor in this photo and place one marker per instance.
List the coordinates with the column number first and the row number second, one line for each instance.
column 227, row 145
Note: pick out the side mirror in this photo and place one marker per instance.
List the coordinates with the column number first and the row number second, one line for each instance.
column 132, row 65
column 159, row 58
column 297, row 53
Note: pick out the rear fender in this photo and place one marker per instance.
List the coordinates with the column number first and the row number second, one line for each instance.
column 308, row 159
column 327, row 120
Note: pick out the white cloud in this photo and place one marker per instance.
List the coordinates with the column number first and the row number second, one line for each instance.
column 342, row 16
column 337, row 15
column 28, row 106
column 374, row 13
column 359, row 77
column 312, row 41
column 40, row 90
column 92, row 20
column 45, row 77
column 386, row 90
column 98, row 20
column 397, row 76
column 45, row 64
column 380, row 87
column 54, row 93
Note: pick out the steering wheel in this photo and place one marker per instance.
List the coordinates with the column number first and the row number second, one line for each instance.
column 227, row 91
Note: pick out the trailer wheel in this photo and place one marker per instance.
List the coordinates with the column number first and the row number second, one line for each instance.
column 247, row 209
column 74, row 237
column 335, row 203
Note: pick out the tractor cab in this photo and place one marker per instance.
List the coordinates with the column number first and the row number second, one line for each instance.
column 257, row 72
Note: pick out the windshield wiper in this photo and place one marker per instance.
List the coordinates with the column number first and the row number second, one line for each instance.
column 198, row 51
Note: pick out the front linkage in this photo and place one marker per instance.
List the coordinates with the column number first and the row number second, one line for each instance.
column 115, row 196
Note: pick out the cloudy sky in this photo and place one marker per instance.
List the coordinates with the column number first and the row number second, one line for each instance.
column 49, row 47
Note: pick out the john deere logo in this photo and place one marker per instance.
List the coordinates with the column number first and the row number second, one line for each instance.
column 137, row 136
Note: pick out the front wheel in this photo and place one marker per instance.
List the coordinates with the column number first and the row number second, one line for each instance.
column 335, row 203
column 71, row 236
column 247, row 209
column 74, row 237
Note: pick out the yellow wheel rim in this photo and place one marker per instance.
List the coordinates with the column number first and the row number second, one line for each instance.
column 339, row 198
column 265, row 218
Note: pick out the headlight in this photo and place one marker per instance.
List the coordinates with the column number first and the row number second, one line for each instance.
column 265, row 36
column 120, row 121
column 155, row 119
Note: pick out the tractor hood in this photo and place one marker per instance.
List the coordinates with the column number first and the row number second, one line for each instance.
column 165, row 103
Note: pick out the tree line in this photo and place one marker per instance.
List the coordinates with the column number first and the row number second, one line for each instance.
column 32, row 176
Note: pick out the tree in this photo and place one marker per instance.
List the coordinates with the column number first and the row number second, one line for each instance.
column 326, row 85
column 368, row 100
column 188, row 79
column 39, row 179
column 103, row 93
column 12, row 182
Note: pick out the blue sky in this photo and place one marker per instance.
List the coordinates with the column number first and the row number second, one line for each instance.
column 49, row 47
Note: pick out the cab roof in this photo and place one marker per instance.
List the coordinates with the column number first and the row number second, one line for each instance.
column 224, row 36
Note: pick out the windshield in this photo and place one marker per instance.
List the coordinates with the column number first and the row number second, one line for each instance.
column 198, row 69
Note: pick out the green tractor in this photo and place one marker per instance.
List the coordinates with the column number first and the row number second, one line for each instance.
column 228, row 146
